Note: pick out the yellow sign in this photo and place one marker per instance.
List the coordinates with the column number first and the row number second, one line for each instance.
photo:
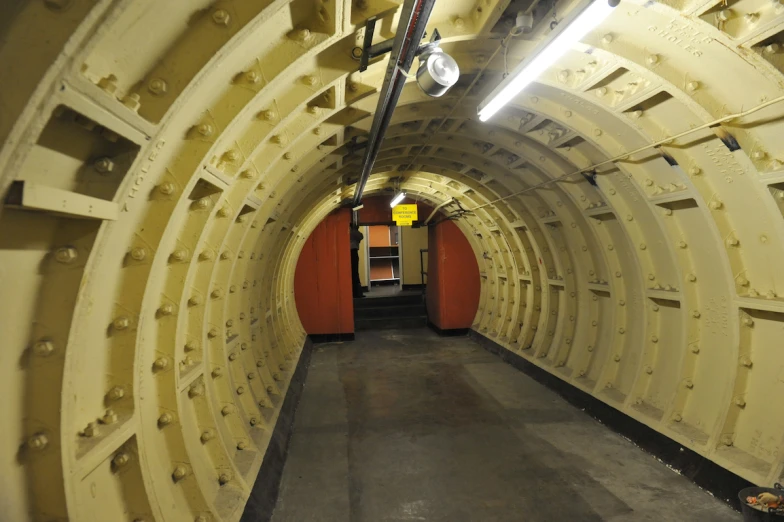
column 404, row 215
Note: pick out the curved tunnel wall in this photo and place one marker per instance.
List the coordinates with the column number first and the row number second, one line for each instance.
column 164, row 164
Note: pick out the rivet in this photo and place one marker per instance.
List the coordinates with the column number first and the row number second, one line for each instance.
column 195, row 300
column 240, row 390
column 301, row 34
column 207, row 255
column 745, row 361
column 692, row 86
column 233, row 289
column 157, row 86
column 221, row 17
column 726, row 440
column 667, row 211
column 758, row 154
column 648, row 370
column 205, row 129
column 688, row 383
column 196, row 390
column 223, row 479
column 166, row 309
column 260, row 363
column 202, row 203
column 748, row 321
column 212, row 333
column 66, row 255
column 732, row 242
column 225, row 255
column 161, row 363
column 254, row 421
column 692, row 277
column 654, row 339
column 676, row 417
column 207, row 435
column 309, row 80
column 607, row 38
column 165, row 419
column 241, row 445
column 695, row 170
column 217, row 293
column 229, row 322
column 618, row 274
column 636, row 114
column 243, row 346
column 232, row 356
column 682, row 244
column 179, row 473
column 617, row 358
column 622, row 303
column 217, row 371
column 739, row 402
column 652, row 59
column 227, row 410
column 621, row 330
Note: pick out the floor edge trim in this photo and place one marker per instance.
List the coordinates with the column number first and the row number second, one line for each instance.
column 264, row 492
column 718, row 481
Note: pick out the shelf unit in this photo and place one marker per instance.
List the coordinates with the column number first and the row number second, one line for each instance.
column 383, row 254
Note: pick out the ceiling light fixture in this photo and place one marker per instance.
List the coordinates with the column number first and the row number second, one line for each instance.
column 577, row 24
column 437, row 71
column 397, row 199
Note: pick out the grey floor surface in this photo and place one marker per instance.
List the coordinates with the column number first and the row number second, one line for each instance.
column 402, row 425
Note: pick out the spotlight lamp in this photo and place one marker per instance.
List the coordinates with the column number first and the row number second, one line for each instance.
column 437, row 72
column 579, row 22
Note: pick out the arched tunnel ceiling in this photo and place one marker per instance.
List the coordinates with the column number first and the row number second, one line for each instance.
column 164, row 163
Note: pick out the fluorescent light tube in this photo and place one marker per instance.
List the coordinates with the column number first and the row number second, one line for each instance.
column 397, row 199
column 530, row 69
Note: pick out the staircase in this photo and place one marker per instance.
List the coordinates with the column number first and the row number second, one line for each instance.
column 388, row 312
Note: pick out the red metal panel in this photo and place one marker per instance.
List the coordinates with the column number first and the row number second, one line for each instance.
column 322, row 280
column 452, row 278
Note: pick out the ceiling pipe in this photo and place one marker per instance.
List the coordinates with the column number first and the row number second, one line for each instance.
column 410, row 31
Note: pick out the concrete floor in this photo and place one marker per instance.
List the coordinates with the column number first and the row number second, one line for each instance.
column 402, row 425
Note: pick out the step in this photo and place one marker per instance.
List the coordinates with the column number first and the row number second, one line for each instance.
column 413, row 310
column 390, row 323
column 393, row 300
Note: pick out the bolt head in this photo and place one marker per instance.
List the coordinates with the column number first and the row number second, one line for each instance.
column 38, row 442
column 121, row 323
column 221, row 17
column 157, row 86
column 116, row 393
column 66, row 255
column 121, row 459
column 43, row 348
column 103, row 165
column 138, row 253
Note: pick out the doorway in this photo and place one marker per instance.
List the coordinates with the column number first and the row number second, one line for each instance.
column 383, row 254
